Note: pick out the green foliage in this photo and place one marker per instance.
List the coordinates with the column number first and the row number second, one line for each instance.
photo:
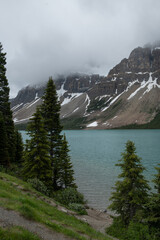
column 15, row 193
column 19, row 147
column 17, row 233
column 152, row 208
column 66, row 168
column 117, row 229
column 138, row 231
column 134, row 231
column 157, row 179
column 62, row 172
column 37, row 162
column 51, row 114
column 5, row 106
column 4, row 155
column 68, row 196
column 130, row 193
column 28, row 212
column 79, row 208
column 38, row 185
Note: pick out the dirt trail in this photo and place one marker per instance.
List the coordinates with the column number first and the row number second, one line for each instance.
column 10, row 218
column 98, row 220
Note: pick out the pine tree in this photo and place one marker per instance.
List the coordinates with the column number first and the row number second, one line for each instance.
column 157, row 180
column 4, row 156
column 152, row 210
column 66, row 171
column 51, row 113
column 37, row 162
column 5, row 106
column 131, row 193
column 19, row 147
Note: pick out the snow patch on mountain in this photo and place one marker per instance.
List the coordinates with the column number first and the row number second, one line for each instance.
column 104, row 96
column 21, row 120
column 104, row 109
column 88, row 103
column 36, row 97
column 17, row 106
column 93, row 124
column 70, row 98
column 149, row 84
column 61, row 91
column 75, row 109
column 33, row 103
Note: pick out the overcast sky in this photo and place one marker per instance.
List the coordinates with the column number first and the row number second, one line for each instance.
column 43, row 38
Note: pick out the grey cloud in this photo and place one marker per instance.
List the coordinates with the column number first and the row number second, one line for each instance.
column 48, row 37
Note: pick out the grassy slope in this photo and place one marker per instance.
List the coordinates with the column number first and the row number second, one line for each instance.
column 16, row 233
column 21, row 197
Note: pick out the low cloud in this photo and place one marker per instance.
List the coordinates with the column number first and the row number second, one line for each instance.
column 49, row 37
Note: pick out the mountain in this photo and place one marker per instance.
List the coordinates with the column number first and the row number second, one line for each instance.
column 129, row 94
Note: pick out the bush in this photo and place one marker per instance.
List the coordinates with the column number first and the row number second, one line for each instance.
column 117, row 229
column 68, row 196
column 38, row 185
column 79, row 208
column 138, row 231
column 135, row 231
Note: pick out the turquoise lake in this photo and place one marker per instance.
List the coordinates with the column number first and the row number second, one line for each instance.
column 94, row 154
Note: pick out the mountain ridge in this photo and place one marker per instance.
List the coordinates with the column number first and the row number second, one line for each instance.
column 129, row 94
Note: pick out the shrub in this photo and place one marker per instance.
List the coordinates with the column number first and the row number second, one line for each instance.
column 38, row 185
column 79, row 208
column 68, row 196
column 117, row 229
column 138, row 231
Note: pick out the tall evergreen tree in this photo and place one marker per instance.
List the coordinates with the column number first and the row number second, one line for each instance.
column 51, row 113
column 152, row 210
column 18, row 147
column 66, row 171
column 37, row 162
column 5, row 106
column 131, row 193
column 4, row 156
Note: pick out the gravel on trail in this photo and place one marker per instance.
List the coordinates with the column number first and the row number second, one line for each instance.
column 11, row 218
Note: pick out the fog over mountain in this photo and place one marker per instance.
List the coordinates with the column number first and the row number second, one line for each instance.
column 49, row 37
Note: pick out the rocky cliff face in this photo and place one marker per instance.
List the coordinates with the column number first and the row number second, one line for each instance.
column 129, row 94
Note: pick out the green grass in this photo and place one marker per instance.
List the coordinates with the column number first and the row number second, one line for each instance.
column 17, row 233
column 28, row 205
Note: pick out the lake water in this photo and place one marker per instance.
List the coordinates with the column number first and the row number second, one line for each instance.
column 94, row 154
